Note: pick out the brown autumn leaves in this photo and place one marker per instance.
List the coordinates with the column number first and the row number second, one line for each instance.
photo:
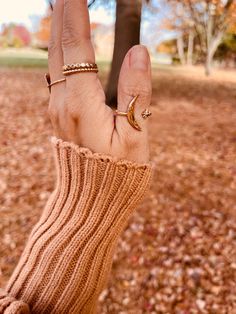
column 178, row 254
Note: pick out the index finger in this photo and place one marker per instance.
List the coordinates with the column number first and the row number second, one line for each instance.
column 55, row 48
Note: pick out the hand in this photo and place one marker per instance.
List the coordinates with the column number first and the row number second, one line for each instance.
column 77, row 107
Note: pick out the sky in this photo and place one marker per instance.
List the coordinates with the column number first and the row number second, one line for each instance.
column 21, row 11
column 27, row 11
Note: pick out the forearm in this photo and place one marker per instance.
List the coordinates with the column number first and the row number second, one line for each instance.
column 68, row 257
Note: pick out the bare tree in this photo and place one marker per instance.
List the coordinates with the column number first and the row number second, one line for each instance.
column 180, row 48
column 208, row 19
column 190, row 47
column 50, row 4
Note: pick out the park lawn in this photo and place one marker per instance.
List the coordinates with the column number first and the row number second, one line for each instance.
column 22, row 62
column 33, row 58
column 36, row 58
column 23, row 57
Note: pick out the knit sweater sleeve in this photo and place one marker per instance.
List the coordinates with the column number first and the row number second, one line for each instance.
column 68, row 256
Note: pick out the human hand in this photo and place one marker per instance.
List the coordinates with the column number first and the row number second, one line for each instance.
column 77, row 107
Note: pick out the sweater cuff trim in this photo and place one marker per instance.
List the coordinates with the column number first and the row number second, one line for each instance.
column 98, row 156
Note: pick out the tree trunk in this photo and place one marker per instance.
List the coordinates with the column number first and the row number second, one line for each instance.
column 208, row 64
column 211, row 49
column 180, row 48
column 127, row 34
column 190, row 48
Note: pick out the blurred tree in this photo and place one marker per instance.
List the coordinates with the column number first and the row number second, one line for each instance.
column 226, row 51
column 180, row 48
column 176, row 22
column 50, row 3
column 208, row 20
column 167, row 46
column 15, row 36
column 190, row 46
column 127, row 34
column 43, row 33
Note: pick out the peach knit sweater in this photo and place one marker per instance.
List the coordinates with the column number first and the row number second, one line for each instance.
column 68, row 256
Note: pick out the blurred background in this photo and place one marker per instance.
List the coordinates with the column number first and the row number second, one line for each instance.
column 178, row 254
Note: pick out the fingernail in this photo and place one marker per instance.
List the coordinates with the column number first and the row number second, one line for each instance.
column 139, row 58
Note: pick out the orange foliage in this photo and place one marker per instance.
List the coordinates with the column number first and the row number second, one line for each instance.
column 167, row 47
column 43, row 34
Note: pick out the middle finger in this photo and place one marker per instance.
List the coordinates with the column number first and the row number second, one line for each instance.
column 76, row 38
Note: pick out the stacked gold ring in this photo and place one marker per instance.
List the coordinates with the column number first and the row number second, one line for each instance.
column 71, row 69
column 79, row 68
column 50, row 84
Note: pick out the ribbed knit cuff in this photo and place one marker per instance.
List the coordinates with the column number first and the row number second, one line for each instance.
column 68, row 257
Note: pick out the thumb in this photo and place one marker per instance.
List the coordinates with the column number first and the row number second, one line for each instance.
column 134, row 80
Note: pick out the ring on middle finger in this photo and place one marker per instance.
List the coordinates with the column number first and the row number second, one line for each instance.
column 79, row 68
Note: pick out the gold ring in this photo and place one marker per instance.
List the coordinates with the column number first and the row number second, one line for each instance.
column 130, row 114
column 79, row 68
column 146, row 113
column 49, row 83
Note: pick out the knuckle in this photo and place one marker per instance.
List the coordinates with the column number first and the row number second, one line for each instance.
column 71, row 5
column 53, row 48
column 71, row 38
column 79, row 101
column 73, row 93
column 70, row 98
column 70, row 106
column 143, row 90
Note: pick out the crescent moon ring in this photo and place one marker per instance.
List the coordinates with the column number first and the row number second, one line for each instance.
column 130, row 114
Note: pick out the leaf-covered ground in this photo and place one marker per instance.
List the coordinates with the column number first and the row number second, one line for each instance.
column 178, row 254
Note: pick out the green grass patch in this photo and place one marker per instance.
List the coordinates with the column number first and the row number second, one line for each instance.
column 23, row 62
column 36, row 58
column 24, row 57
column 33, row 58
